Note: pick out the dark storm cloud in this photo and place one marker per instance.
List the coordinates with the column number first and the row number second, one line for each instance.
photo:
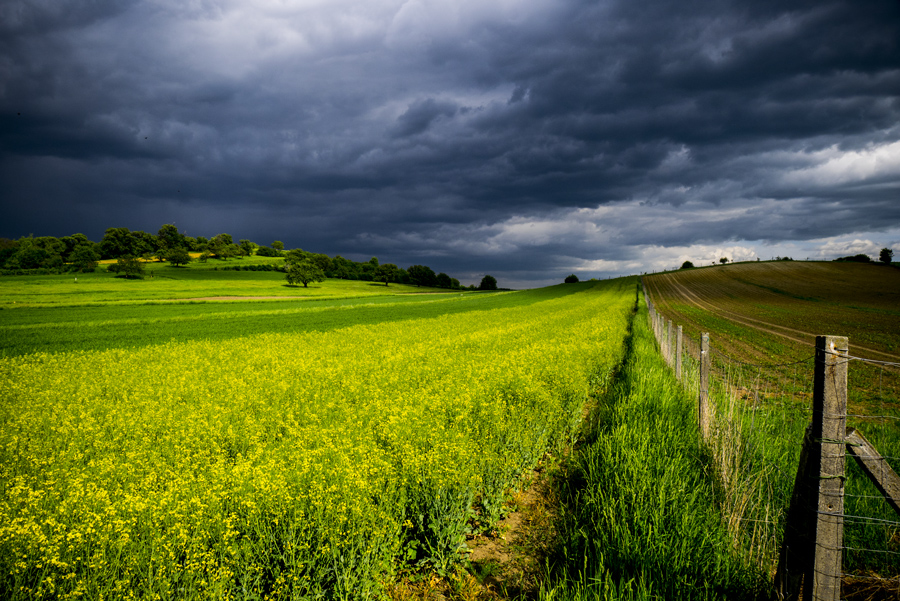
column 520, row 137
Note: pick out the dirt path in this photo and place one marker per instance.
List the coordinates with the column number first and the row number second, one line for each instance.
column 691, row 298
column 508, row 563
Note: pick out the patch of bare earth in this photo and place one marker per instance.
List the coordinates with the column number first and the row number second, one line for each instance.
column 506, row 563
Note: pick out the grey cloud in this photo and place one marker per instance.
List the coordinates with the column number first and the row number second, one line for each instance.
column 420, row 115
column 393, row 133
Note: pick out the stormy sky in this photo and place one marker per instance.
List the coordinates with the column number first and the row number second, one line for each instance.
column 528, row 139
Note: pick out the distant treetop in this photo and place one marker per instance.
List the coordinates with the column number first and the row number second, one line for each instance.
column 856, row 259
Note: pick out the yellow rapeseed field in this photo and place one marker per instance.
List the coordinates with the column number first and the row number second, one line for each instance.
column 283, row 466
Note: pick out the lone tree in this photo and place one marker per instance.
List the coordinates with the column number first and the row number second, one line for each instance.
column 687, row 265
column 886, row 256
column 178, row 256
column 130, row 267
column 571, row 279
column 723, row 260
column 304, row 271
column 488, row 282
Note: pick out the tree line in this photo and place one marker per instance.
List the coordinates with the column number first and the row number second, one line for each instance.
column 133, row 248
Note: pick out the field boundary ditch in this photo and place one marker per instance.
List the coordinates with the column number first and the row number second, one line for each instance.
column 809, row 490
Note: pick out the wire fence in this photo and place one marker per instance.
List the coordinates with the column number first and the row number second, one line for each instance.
column 758, row 415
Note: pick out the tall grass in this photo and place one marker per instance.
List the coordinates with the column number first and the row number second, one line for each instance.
column 641, row 513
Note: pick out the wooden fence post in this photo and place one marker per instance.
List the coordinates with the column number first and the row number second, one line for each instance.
column 814, row 531
column 670, row 342
column 704, row 385
column 678, row 352
column 829, row 430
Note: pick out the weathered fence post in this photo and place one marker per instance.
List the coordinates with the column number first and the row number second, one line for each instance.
column 678, row 352
column 829, row 430
column 814, row 531
column 670, row 342
column 704, row 385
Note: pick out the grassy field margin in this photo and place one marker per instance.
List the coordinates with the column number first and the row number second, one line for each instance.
column 642, row 510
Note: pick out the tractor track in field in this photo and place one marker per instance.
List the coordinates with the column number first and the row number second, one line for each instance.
column 695, row 299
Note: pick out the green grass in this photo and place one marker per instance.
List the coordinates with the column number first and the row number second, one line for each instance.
column 123, row 325
column 641, row 512
column 164, row 282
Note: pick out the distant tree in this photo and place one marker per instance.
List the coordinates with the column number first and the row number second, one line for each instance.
column 304, row 272
column 246, row 248
column 129, row 266
column 443, row 280
column 323, row 262
column 178, row 256
column 145, row 244
column 54, row 246
column 723, row 260
column 8, row 248
column 267, row 251
column 886, row 256
column 861, row 258
column 386, row 272
column 422, row 275
column 221, row 246
column 160, row 254
column 278, row 245
column 84, row 258
column 454, row 283
column 296, row 255
column 343, row 268
column 687, row 265
column 71, row 242
column 169, row 237
column 117, row 242
column 200, row 244
column 488, row 282
column 28, row 256
column 571, row 279
column 204, row 256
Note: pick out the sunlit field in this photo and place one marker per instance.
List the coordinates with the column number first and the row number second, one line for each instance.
column 288, row 464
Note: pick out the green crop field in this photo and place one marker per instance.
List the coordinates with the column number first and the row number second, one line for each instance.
column 206, row 301
column 165, row 283
column 280, row 449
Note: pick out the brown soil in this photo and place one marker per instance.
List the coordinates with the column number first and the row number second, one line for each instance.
column 507, row 562
column 793, row 301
